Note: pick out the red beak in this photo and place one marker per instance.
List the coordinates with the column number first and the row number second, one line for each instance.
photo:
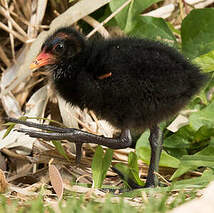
column 41, row 60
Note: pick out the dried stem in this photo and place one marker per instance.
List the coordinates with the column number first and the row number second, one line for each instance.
column 18, row 28
column 108, row 18
column 7, row 29
column 4, row 57
column 94, row 23
column 11, row 28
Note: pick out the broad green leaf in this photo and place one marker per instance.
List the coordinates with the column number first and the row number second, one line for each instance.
column 183, row 168
column 177, row 152
column 133, row 165
column 133, row 24
column 197, row 182
column 96, row 166
column 204, row 133
column 107, row 162
column 143, row 152
column 202, row 96
column 121, row 17
column 192, row 183
column 124, row 172
column 130, row 172
column 127, row 16
column 60, row 149
column 176, row 141
column 152, row 28
column 203, row 117
column 198, row 160
column 100, row 165
column 187, row 140
column 177, row 144
column 197, row 32
column 186, row 132
column 205, row 62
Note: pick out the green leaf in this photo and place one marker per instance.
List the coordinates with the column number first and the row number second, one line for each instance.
column 107, row 161
column 36, row 205
column 204, row 133
column 133, row 24
column 60, row 149
column 130, row 172
column 185, row 167
column 9, row 129
column 182, row 169
column 173, row 29
column 179, row 143
column 203, row 117
column 143, row 152
column 11, row 126
column 176, row 141
column 126, row 17
column 198, row 161
column 100, row 165
column 96, row 166
column 205, row 62
column 197, row 32
column 133, row 166
column 125, row 173
column 152, row 28
column 197, row 182
column 202, row 96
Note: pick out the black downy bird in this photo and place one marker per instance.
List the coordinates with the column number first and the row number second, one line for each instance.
column 130, row 82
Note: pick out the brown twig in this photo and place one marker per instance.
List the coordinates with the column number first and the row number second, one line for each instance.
column 14, row 155
column 7, row 29
column 4, row 57
column 164, row 179
column 6, row 15
column 11, row 28
column 108, row 18
column 94, row 23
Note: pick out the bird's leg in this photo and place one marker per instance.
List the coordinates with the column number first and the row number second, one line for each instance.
column 74, row 135
column 78, row 152
column 48, row 128
column 156, row 141
column 38, row 126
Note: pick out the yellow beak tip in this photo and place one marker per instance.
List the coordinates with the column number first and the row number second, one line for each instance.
column 33, row 66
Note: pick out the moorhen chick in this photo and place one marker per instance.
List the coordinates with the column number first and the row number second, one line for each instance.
column 130, row 82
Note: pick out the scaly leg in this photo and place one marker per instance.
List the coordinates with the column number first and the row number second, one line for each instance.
column 156, row 141
column 74, row 135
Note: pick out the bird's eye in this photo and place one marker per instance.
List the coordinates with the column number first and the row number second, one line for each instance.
column 59, row 48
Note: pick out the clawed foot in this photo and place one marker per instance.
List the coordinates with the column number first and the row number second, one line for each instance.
column 79, row 137
column 48, row 135
column 73, row 135
column 57, row 134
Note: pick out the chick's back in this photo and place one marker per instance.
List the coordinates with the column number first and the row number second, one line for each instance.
column 149, row 81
